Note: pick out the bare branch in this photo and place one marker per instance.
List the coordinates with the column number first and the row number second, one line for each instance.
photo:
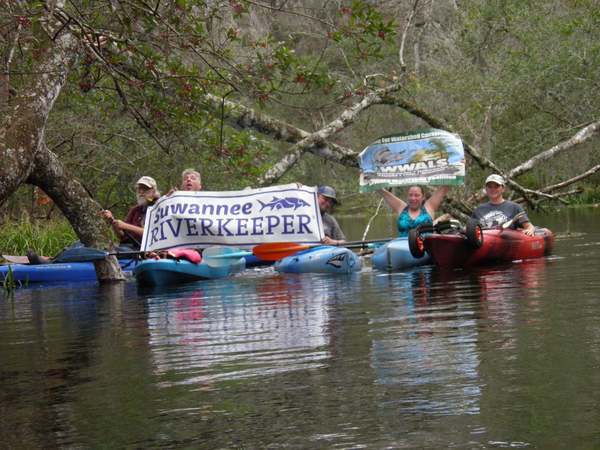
column 565, row 183
column 579, row 138
column 405, row 33
column 242, row 117
column 319, row 137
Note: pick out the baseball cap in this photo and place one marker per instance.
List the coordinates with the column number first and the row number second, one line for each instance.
column 147, row 181
column 495, row 179
column 328, row 191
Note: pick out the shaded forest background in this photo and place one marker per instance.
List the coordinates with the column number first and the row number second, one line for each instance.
column 156, row 85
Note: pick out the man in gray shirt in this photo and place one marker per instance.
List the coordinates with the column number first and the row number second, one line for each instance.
column 327, row 199
column 498, row 210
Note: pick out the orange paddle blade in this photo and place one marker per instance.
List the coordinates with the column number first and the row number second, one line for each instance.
column 274, row 251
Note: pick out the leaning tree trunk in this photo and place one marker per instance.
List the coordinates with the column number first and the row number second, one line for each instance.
column 24, row 154
column 78, row 207
column 22, row 128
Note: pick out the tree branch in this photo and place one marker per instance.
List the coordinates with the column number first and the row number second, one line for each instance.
column 242, row 117
column 318, row 138
column 579, row 138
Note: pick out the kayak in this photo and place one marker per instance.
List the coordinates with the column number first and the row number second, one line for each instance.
column 163, row 272
column 494, row 246
column 395, row 255
column 57, row 272
column 321, row 259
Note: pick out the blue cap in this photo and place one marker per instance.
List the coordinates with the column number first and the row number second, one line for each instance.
column 328, row 191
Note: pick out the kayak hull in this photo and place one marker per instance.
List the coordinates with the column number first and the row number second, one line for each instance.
column 57, row 272
column 321, row 259
column 395, row 255
column 453, row 250
column 163, row 272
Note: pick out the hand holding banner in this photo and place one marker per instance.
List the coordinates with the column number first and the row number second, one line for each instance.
column 431, row 156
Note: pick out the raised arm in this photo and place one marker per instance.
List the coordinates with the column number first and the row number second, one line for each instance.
column 436, row 199
column 393, row 202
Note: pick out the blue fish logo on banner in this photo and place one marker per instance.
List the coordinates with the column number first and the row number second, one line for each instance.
column 430, row 157
column 284, row 203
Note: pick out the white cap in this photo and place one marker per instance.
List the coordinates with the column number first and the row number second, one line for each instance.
column 495, row 179
column 147, row 181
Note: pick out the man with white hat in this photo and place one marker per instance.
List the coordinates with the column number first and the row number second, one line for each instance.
column 327, row 200
column 497, row 210
column 131, row 230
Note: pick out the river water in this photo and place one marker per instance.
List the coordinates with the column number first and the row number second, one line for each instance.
column 501, row 357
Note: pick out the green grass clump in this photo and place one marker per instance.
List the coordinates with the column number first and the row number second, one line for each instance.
column 45, row 238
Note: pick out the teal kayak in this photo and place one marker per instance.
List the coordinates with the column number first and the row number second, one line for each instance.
column 163, row 272
column 395, row 255
column 321, row 259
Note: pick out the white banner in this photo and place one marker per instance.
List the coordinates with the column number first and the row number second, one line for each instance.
column 243, row 219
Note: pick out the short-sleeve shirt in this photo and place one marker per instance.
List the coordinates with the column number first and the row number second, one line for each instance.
column 490, row 215
column 331, row 228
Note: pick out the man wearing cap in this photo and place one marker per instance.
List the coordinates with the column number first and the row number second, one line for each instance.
column 327, row 199
column 497, row 210
column 131, row 230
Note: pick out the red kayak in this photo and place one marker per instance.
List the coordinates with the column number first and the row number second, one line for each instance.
column 479, row 246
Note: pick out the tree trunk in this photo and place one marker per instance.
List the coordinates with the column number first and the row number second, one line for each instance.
column 22, row 128
column 78, row 207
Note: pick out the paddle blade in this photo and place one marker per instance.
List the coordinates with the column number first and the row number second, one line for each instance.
column 509, row 223
column 274, row 251
column 220, row 256
column 81, row 254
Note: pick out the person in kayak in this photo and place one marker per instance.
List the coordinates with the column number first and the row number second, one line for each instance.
column 327, row 199
column 131, row 230
column 497, row 210
column 416, row 210
column 190, row 181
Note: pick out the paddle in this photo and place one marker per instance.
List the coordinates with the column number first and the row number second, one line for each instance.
column 509, row 223
column 274, row 251
column 220, row 256
column 216, row 256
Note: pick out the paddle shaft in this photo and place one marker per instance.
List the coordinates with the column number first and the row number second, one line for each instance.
column 275, row 251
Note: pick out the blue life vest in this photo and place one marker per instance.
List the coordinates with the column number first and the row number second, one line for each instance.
column 406, row 223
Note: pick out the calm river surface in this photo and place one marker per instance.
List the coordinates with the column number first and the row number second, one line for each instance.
column 492, row 358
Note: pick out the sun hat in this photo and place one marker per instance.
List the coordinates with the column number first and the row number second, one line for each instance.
column 495, row 179
column 149, row 182
column 329, row 192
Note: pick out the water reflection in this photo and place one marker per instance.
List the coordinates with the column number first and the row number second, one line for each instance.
column 426, row 340
column 404, row 360
column 239, row 328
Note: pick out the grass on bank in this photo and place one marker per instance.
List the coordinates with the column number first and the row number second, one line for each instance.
column 44, row 237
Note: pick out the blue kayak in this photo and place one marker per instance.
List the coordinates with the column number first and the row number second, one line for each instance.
column 321, row 259
column 57, row 272
column 395, row 255
column 163, row 272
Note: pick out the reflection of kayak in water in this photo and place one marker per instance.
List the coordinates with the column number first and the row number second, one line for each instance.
column 395, row 255
column 487, row 246
column 321, row 259
column 161, row 272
